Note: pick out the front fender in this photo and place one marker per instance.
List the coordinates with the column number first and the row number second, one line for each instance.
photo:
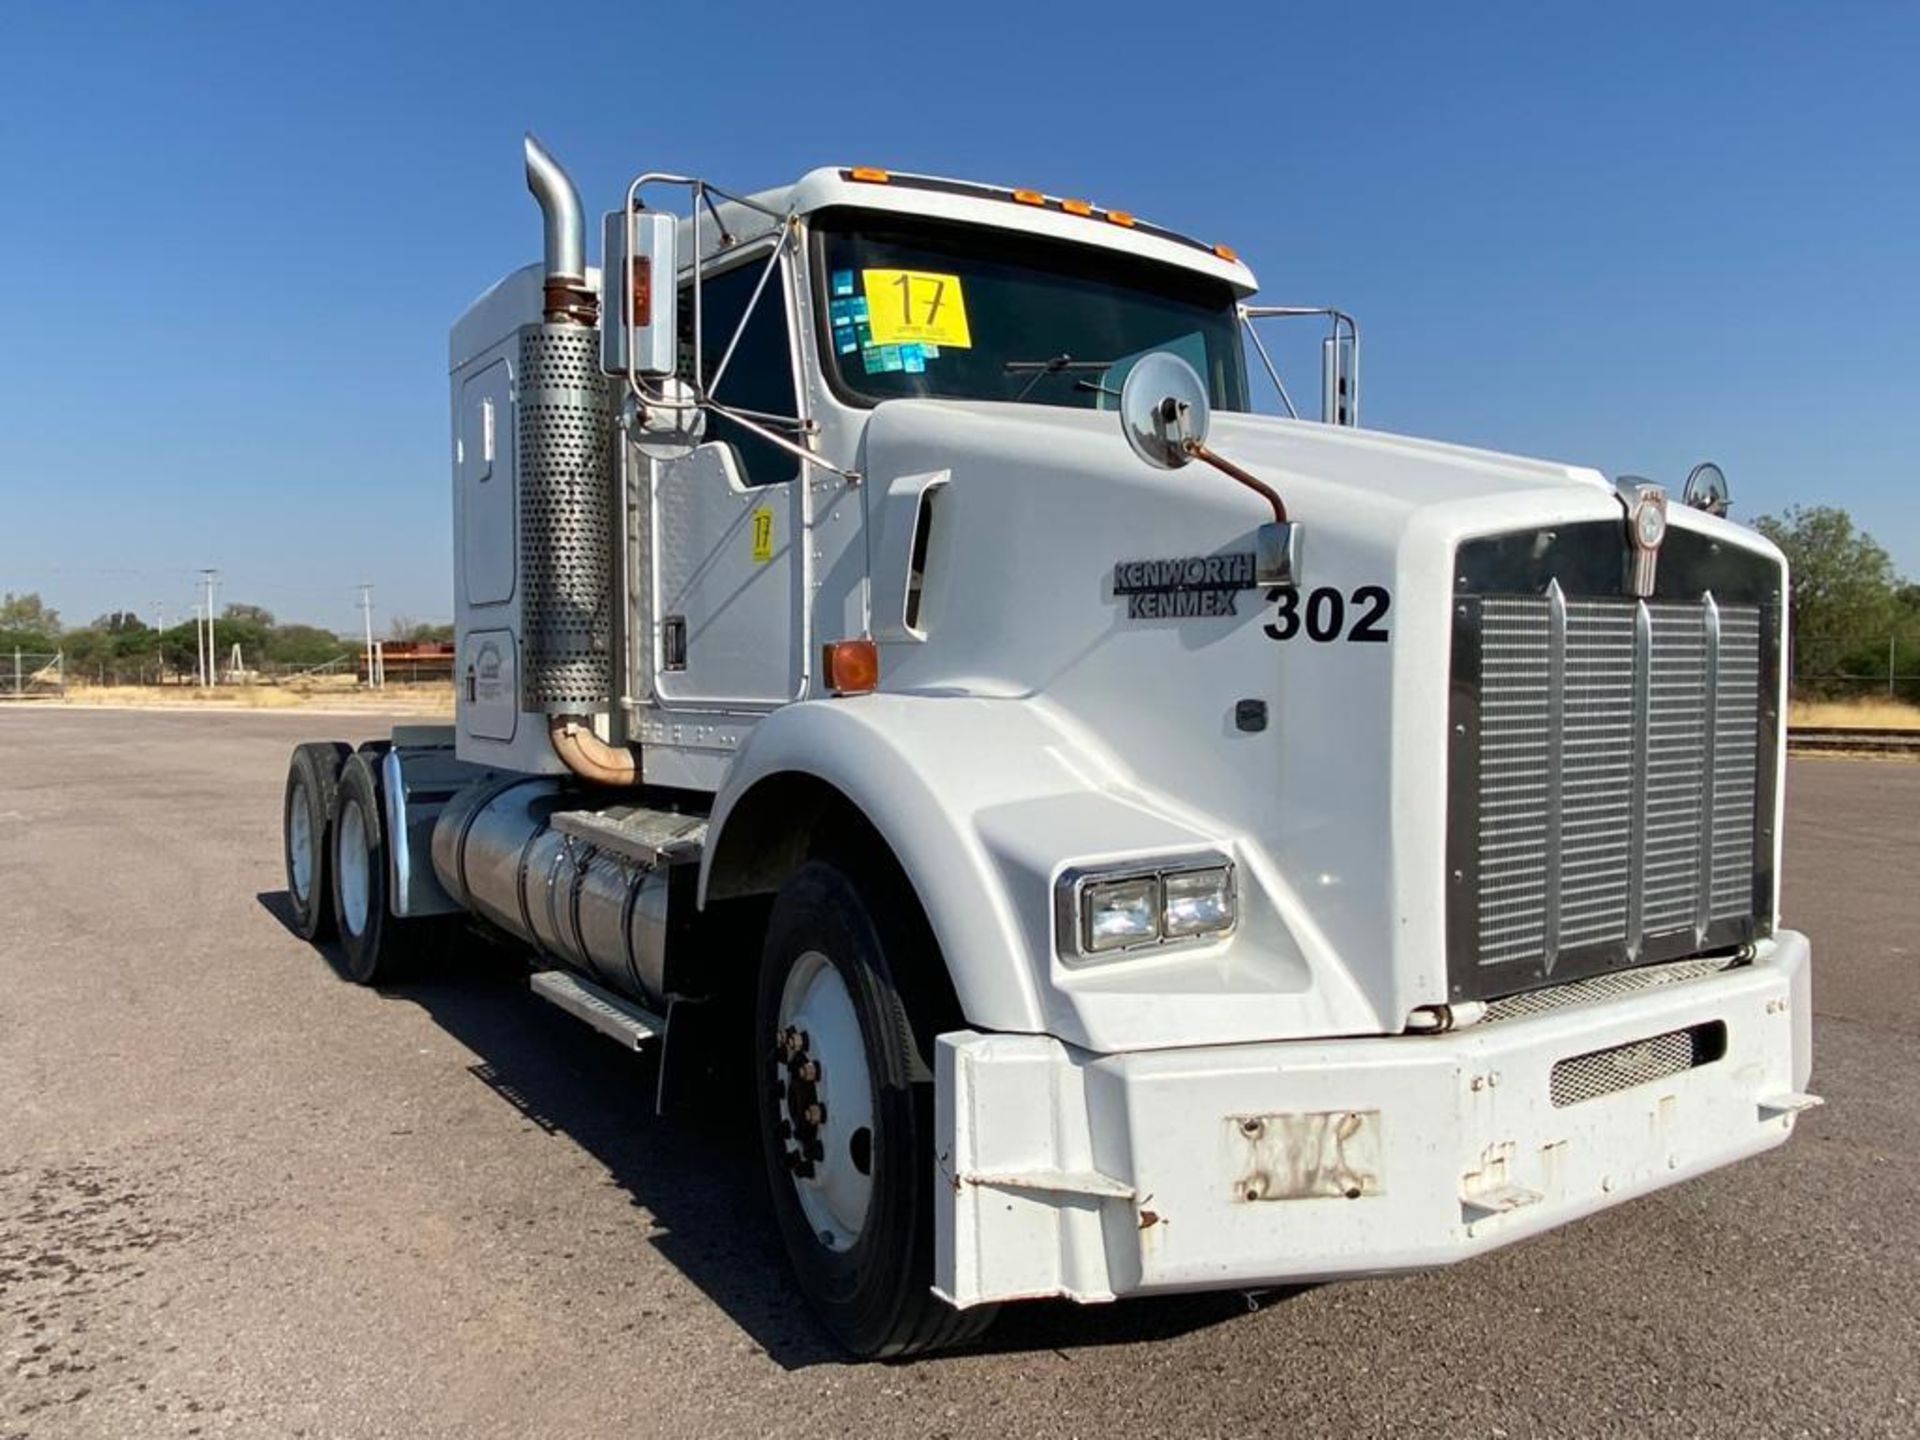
column 984, row 802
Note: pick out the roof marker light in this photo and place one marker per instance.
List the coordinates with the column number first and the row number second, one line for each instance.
column 1029, row 197
column 870, row 174
column 1120, row 217
column 1076, row 207
column 1227, row 253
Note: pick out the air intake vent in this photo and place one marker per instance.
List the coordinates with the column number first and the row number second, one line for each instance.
column 1621, row 1067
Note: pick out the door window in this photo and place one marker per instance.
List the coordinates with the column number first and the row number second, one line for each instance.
column 760, row 375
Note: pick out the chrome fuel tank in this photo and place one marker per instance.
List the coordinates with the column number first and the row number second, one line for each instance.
column 597, row 910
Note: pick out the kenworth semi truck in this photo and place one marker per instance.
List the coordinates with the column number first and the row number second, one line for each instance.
column 1153, row 846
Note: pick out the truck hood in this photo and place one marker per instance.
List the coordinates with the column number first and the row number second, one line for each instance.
column 1304, row 733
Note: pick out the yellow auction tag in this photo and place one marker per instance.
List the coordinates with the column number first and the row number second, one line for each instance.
column 762, row 535
column 907, row 306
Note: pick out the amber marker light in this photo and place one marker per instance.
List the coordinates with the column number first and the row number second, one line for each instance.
column 850, row 667
column 642, row 291
column 1227, row 253
column 1029, row 197
column 870, row 174
column 1120, row 217
column 1076, row 207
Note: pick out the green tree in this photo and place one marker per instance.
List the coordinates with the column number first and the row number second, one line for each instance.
column 1841, row 591
column 303, row 645
column 26, row 613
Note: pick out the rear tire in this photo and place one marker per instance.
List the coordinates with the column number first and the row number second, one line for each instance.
column 306, row 832
column 852, row 990
column 378, row 948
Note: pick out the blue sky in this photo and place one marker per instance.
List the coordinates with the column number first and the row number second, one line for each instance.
column 233, row 238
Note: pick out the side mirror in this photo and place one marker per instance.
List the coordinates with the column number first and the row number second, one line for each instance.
column 640, row 293
column 1163, row 410
column 1164, row 415
column 1707, row 490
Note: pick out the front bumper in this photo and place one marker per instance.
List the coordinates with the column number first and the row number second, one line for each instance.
column 1095, row 1176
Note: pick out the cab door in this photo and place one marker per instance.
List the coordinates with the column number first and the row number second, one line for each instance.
column 725, row 548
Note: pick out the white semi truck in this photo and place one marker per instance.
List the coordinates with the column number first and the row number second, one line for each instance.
column 1155, row 846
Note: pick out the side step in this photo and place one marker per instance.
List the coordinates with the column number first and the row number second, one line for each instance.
column 602, row 1009
column 652, row 837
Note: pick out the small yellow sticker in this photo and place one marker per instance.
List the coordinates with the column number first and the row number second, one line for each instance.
column 908, row 306
column 762, row 535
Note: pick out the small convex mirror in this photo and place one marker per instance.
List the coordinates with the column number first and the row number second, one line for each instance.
column 1163, row 410
column 669, row 428
column 1707, row 489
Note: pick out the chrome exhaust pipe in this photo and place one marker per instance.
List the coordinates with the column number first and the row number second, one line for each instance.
column 565, row 250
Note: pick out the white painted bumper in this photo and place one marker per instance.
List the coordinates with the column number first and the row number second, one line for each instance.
column 1093, row 1176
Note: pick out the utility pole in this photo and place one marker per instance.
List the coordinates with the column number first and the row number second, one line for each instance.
column 199, row 647
column 366, row 611
column 211, row 579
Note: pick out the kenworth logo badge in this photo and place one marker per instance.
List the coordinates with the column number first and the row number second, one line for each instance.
column 1193, row 586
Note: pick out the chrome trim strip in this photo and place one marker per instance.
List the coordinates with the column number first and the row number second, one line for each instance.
column 1556, row 767
column 1709, row 725
column 1641, row 741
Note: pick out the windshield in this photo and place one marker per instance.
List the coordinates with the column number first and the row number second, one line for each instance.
column 930, row 308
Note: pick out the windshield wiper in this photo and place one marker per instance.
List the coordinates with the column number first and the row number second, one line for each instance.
column 1042, row 368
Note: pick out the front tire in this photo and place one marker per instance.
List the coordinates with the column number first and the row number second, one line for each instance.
column 852, row 991
column 306, row 832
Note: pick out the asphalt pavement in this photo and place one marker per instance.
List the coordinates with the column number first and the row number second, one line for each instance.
column 239, row 1196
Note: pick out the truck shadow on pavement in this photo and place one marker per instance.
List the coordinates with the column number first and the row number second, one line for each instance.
column 696, row 1171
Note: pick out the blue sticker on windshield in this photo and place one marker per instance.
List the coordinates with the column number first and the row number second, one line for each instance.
column 932, row 352
column 843, row 282
column 913, row 359
column 848, row 344
column 860, row 307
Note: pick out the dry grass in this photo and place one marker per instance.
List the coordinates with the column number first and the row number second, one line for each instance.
column 332, row 693
column 1855, row 714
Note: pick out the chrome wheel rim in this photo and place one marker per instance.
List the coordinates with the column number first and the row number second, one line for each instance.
column 351, row 859
column 826, row 1101
column 300, row 844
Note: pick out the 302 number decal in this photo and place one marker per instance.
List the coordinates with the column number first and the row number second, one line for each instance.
column 1323, row 614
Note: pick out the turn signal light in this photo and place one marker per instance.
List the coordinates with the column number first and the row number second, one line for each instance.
column 1029, row 197
column 642, row 291
column 1076, row 207
column 850, row 667
column 872, row 174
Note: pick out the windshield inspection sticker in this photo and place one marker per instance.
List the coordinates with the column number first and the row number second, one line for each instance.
column 908, row 306
column 1195, row 585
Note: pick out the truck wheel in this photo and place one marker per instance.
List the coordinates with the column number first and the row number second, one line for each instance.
column 306, row 819
column 376, row 945
column 845, row 1094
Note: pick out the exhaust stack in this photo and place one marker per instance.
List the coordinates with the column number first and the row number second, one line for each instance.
column 568, row 301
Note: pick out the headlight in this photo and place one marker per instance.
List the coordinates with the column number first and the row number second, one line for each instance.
column 1197, row 902
column 1119, row 913
column 1110, row 910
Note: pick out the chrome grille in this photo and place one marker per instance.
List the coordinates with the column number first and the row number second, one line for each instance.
column 1614, row 752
